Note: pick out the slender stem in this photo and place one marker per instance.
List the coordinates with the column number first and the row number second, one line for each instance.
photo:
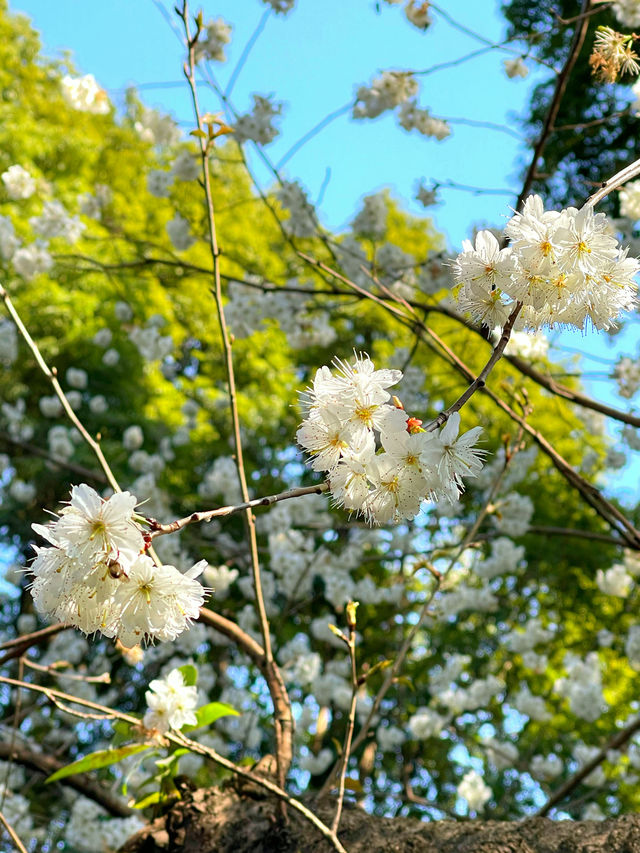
column 282, row 708
column 618, row 740
column 346, row 749
column 255, row 35
column 620, row 178
column 558, row 93
column 481, row 378
column 158, row 529
column 12, row 834
column 181, row 740
column 51, row 375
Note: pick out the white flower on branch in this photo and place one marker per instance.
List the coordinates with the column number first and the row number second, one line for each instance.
column 96, row 576
column 378, row 460
column 171, row 703
column 18, row 183
column 565, row 267
column 84, row 94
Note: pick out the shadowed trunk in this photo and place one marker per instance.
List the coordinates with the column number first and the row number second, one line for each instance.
column 226, row 821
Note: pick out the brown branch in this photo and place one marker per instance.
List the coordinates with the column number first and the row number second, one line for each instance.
column 81, row 783
column 558, row 93
column 158, row 529
column 52, row 376
column 19, row 645
column 283, row 719
column 578, row 534
column 13, row 835
column 86, row 473
column 618, row 740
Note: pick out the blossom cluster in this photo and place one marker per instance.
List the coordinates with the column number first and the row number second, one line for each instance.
column 84, row 94
column 96, row 575
column 564, row 267
column 171, row 703
column 378, row 460
column 211, row 43
column 258, row 125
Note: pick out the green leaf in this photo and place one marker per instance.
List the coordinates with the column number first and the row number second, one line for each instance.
column 199, row 133
column 149, row 800
column 189, row 673
column 166, row 762
column 95, row 760
column 210, row 713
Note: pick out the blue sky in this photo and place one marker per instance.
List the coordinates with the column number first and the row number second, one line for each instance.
column 313, row 59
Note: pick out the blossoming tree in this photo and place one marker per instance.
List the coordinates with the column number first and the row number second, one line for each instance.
column 289, row 512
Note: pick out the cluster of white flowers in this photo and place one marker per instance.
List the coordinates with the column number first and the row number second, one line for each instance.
column 515, row 67
column 171, row 703
column 563, row 267
column 156, row 127
column 84, row 94
column 151, row 345
column 90, row 828
column 545, row 768
column 32, row 260
column 9, row 243
column 627, row 12
column 417, row 13
column 8, row 342
column 411, row 117
column 385, row 93
column 301, row 221
column 630, row 200
column 55, row 221
column 211, row 43
column 347, row 412
column 250, row 308
column 627, row 375
column 371, row 221
column 96, row 575
column 530, row 345
column 179, row 233
column 583, row 686
column 473, row 789
column 18, row 183
column 614, row 581
column 258, row 125
column 427, row 197
column 280, row 7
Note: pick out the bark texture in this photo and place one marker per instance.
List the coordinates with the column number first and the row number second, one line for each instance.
column 232, row 821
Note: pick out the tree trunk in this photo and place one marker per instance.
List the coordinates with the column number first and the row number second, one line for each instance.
column 227, row 821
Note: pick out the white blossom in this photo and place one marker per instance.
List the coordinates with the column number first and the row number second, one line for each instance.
column 18, row 183
column 473, row 789
column 84, row 94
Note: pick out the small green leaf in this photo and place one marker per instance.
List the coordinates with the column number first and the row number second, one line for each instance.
column 381, row 664
column 95, row 760
column 199, row 133
column 189, row 673
column 210, row 713
column 165, row 762
column 149, row 800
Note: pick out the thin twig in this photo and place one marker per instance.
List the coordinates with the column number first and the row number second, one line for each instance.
column 158, row 529
column 47, row 765
column 558, row 93
column 253, row 38
column 346, row 749
column 618, row 740
column 51, row 375
column 283, row 720
column 182, row 740
column 12, row 834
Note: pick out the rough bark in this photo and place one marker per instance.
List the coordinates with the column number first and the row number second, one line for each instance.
column 232, row 821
